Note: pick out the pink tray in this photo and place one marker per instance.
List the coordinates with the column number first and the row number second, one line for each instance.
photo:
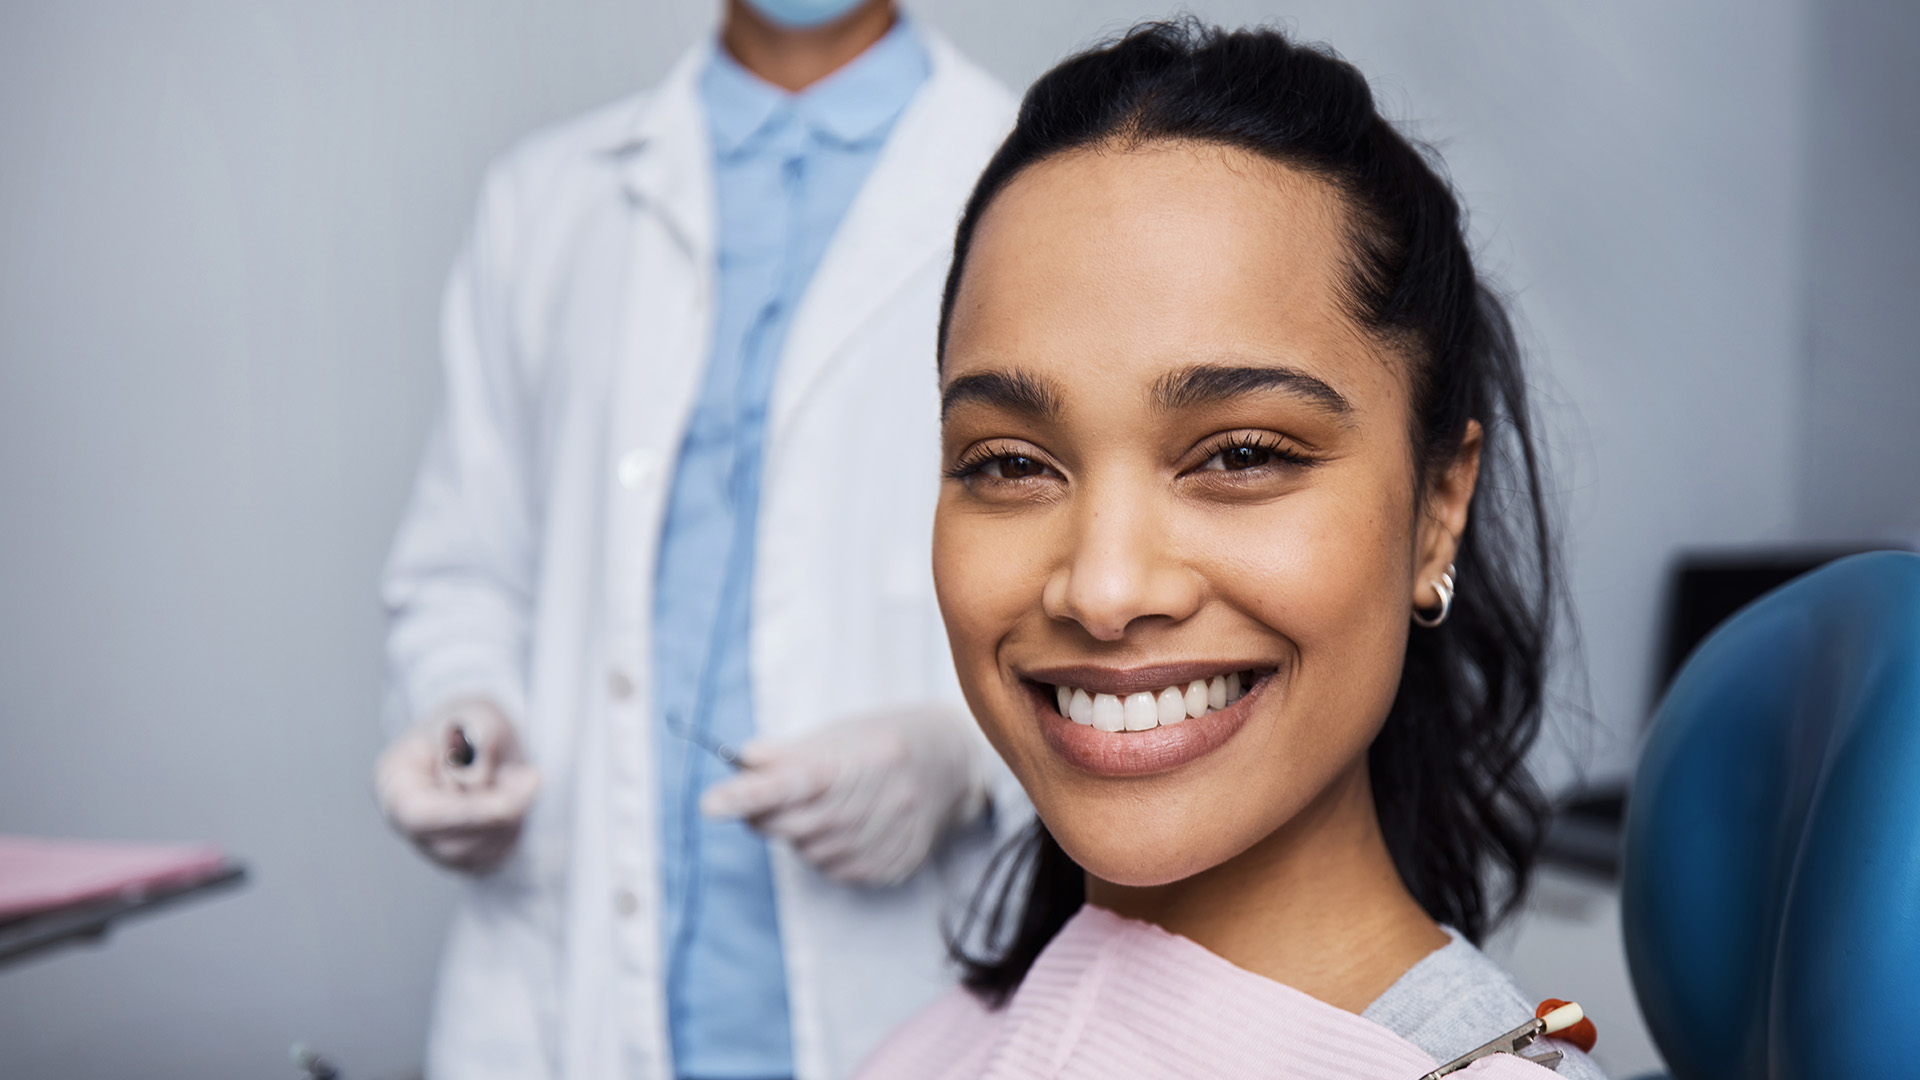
column 46, row 875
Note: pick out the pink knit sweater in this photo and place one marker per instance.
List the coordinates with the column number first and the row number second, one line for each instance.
column 1115, row 999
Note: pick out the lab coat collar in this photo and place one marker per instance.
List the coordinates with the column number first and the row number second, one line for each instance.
column 904, row 216
column 663, row 157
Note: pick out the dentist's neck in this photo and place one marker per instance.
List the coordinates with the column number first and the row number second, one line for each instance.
column 796, row 59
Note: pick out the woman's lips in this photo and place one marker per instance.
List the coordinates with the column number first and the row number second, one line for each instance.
column 1141, row 753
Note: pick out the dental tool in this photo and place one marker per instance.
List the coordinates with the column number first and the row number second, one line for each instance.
column 457, row 757
column 1555, row 1017
column 459, row 748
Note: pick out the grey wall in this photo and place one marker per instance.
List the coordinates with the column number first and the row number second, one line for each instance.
column 1860, row 476
column 223, row 226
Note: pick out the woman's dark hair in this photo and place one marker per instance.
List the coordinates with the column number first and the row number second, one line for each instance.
column 1461, row 814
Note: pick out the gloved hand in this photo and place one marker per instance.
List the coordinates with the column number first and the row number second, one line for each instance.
column 458, row 785
column 864, row 800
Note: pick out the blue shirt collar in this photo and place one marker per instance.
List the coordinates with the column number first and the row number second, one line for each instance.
column 854, row 105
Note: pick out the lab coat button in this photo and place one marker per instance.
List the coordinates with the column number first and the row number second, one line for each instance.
column 625, row 903
column 619, row 686
column 637, row 467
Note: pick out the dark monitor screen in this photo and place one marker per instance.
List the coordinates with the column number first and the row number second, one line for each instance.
column 1707, row 587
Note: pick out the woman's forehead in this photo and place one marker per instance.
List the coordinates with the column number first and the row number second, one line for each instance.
column 1129, row 264
column 1157, row 203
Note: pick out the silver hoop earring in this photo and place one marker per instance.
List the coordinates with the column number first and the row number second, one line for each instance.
column 1444, row 587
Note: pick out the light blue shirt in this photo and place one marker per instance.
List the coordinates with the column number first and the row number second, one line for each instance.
column 786, row 167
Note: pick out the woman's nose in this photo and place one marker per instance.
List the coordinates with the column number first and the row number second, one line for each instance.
column 1119, row 568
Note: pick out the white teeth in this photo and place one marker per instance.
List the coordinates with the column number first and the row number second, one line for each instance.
column 1173, row 707
column 1080, row 709
column 1197, row 698
column 1144, row 710
column 1143, row 713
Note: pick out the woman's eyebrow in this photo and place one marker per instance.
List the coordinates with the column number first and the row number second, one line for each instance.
column 1206, row 384
column 1015, row 391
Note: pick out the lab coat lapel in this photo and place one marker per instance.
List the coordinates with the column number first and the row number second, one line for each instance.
column 904, row 216
column 665, row 162
column 665, row 169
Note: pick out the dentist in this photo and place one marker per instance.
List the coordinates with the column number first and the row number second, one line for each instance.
column 668, row 681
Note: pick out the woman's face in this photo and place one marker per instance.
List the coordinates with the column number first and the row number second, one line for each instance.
column 1179, row 538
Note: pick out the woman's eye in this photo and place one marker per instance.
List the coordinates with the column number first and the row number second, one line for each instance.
column 1248, row 453
column 1008, row 465
column 1240, row 458
column 1013, row 467
column 1235, row 458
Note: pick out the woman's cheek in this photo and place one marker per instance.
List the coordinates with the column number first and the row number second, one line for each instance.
column 979, row 601
column 1343, row 607
column 1291, row 564
column 1332, row 553
column 1322, row 569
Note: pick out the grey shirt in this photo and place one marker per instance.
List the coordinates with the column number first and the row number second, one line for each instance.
column 1456, row 999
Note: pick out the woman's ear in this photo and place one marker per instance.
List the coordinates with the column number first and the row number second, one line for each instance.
column 1443, row 516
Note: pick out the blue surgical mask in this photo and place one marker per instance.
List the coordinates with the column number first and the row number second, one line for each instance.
column 803, row 14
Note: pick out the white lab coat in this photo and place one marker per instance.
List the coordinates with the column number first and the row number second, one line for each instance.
column 576, row 330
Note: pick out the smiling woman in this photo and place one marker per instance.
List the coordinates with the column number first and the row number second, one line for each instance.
column 1224, row 400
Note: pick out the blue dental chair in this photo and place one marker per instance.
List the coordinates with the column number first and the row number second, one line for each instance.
column 1771, row 882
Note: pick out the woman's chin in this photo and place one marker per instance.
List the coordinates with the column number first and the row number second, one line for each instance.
column 1138, row 862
